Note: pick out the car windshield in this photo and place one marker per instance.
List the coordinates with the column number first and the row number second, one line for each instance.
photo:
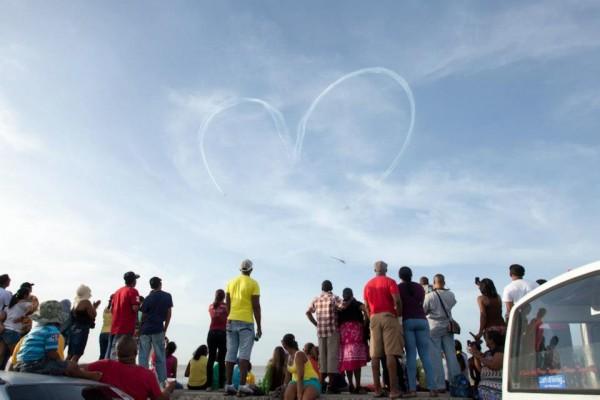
column 555, row 344
column 62, row 392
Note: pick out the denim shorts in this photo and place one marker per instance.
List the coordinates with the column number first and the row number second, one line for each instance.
column 10, row 337
column 240, row 339
column 45, row 366
column 78, row 338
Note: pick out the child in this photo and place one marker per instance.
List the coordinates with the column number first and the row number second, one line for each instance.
column 196, row 369
column 38, row 353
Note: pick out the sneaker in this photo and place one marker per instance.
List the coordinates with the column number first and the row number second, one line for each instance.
column 230, row 390
column 245, row 390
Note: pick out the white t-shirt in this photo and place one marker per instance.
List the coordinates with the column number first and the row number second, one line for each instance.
column 16, row 312
column 515, row 290
column 5, row 297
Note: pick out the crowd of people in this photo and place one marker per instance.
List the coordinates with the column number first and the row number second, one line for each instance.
column 404, row 329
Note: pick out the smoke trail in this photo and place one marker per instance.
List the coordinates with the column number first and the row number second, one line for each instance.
column 276, row 116
column 374, row 70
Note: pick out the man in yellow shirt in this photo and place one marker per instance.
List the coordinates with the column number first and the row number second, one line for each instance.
column 243, row 308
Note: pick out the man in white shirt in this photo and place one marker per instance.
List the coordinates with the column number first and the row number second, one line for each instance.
column 519, row 287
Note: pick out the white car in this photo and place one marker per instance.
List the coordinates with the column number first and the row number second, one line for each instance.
column 24, row 386
column 553, row 340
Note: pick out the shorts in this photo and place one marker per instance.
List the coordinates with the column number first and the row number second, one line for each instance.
column 78, row 338
column 11, row 337
column 329, row 348
column 46, row 366
column 386, row 336
column 314, row 382
column 240, row 340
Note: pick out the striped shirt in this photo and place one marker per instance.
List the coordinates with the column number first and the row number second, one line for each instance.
column 41, row 339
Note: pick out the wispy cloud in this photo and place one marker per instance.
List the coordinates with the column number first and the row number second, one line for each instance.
column 12, row 135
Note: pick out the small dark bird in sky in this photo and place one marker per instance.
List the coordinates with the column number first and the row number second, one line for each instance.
column 339, row 259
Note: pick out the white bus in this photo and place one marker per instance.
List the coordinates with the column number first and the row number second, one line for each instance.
column 553, row 340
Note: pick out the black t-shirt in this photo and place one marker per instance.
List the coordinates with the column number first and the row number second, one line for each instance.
column 351, row 313
column 155, row 306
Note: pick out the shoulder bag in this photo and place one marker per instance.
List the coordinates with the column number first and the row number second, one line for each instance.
column 453, row 326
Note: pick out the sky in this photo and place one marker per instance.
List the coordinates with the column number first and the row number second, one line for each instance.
column 110, row 116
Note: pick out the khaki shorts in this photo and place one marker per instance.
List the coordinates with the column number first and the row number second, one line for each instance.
column 386, row 336
column 328, row 353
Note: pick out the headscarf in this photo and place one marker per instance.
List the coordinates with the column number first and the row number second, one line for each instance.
column 83, row 293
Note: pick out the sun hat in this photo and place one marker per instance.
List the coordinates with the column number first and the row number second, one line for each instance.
column 50, row 312
column 246, row 266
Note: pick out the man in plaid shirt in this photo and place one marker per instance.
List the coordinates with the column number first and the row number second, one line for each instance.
column 325, row 307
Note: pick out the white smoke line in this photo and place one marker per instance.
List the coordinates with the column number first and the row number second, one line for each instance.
column 281, row 126
column 276, row 116
column 374, row 70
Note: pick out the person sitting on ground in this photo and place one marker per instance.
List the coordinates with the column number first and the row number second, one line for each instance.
column 490, row 309
column 170, row 361
column 312, row 352
column 38, row 352
column 489, row 365
column 275, row 371
column 138, row 382
column 461, row 358
column 302, row 380
column 196, row 370
column 474, row 373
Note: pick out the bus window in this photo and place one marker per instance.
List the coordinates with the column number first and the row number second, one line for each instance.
column 555, row 340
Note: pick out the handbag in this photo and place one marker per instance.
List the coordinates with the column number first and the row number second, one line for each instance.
column 453, row 326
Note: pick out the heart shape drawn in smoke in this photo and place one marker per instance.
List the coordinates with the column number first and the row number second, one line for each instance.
column 282, row 129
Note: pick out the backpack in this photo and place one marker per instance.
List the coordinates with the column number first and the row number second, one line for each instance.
column 460, row 387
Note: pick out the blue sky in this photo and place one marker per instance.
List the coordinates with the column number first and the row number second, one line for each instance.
column 101, row 169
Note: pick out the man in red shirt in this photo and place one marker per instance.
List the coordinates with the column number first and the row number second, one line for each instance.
column 138, row 382
column 384, row 306
column 125, row 305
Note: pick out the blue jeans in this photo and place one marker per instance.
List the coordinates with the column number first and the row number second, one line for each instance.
column 416, row 337
column 155, row 341
column 240, row 339
column 446, row 344
column 103, row 339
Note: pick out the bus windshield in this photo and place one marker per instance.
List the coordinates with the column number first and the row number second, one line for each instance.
column 555, row 340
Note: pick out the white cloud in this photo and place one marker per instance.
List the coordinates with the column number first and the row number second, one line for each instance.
column 12, row 135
